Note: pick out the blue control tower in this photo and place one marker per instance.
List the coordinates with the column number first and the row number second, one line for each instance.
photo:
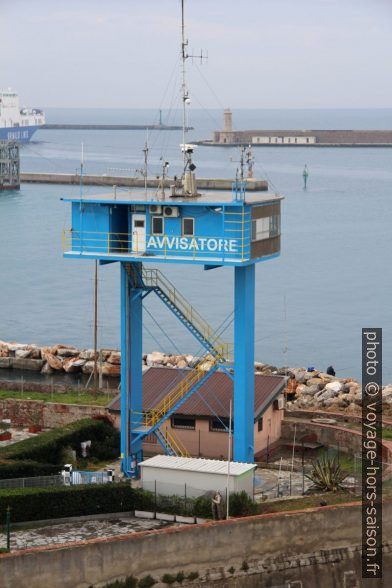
column 212, row 229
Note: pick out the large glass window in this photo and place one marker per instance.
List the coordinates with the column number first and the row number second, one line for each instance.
column 157, row 225
column 265, row 228
column 188, row 227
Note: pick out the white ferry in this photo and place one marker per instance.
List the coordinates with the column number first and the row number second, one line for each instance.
column 18, row 124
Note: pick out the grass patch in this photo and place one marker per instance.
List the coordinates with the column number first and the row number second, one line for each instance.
column 70, row 397
column 306, row 502
column 387, row 434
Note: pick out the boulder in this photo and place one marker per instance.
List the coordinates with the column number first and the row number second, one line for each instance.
column 182, row 364
column 189, row 358
column 310, row 390
column 59, row 346
column 315, row 382
column 87, row 354
column 334, row 386
column 299, row 374
column 156, row 358
column 35, row 353
column 4, row 352
column 110, row 369
column 105, row 354
column 54, row 362
column 52, row 350
column 47, row 370
column 309, row 375
column 115, row 358
column 73, row 365
column 15, row 346
column 22, row 353
column 67, row 352
column 88, row 367
column 259, row 366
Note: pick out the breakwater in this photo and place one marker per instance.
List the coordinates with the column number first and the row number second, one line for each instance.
column 89, row 127
column 314, row 390
column 134, row 182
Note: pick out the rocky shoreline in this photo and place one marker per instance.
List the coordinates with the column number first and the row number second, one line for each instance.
column 314, row 389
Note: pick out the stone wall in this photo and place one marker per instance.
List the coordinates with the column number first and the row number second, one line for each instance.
column 24, row 413
column 314, row 539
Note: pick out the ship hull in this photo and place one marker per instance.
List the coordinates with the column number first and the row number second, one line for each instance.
column 19, row 134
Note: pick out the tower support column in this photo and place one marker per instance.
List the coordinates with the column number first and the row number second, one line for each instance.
column 244, row 335
column 131, row 366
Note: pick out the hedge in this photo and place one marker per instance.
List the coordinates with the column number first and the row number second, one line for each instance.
column 26, row 469
column 32, row 504
column 47, row 447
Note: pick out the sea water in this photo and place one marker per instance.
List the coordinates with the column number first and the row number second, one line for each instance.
column 333, row 276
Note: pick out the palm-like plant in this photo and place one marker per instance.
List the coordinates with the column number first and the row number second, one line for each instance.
column 327, row 475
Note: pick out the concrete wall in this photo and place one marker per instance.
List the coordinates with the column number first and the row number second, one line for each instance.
column 264, row 541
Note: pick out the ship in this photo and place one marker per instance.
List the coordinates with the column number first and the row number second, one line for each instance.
column 18, row 124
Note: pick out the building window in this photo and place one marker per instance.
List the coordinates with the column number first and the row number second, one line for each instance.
column 274, row 225
column 157, row 225
column 183, row 422
column 307, row 139
column 260, row 229
column 260, row 424
column 188, row 227
column 220, row 425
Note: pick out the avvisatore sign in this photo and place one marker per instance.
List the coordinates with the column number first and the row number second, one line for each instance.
column 193, row 244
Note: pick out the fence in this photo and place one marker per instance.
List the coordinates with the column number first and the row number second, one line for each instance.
column 64, row 479
column 36, row 482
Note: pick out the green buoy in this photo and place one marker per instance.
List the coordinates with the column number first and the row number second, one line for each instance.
column 305, row 175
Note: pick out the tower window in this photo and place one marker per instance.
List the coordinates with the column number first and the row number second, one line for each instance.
column 157, row 225
column 188, row 227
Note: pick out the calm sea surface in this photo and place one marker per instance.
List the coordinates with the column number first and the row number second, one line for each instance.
column 333, row 277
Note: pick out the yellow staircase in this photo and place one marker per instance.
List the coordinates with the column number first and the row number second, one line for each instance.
column 180, row 390
column 172, row 444
column 155, row 279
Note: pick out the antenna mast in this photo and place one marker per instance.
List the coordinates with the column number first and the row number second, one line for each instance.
column 185, row 95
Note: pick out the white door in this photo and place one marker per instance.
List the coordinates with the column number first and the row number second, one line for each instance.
column 139, row 233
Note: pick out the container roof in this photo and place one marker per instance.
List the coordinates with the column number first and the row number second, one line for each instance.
column 208, row 197
column 195, row 464
column 212, row 398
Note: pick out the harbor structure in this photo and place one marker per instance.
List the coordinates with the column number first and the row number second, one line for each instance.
column 297, row 138
column 9, row 165
column 233, row 229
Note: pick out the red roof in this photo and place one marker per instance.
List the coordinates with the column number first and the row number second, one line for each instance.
column 212, row 398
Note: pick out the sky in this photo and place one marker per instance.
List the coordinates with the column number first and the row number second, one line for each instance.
column 261, row 53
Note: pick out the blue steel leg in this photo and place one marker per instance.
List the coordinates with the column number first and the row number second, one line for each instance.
column 131, row 371
column 244, row 335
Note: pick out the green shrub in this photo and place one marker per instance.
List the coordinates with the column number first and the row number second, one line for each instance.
column 193, row 576
column 129, row 582
column 32, row 504
column 241, row 504
column 202, row 507
column 168, row 579
column 146, row 582
column 26, row 469
column 231, row 570
column 180, row 577
column 245, row 566
column 48, row 447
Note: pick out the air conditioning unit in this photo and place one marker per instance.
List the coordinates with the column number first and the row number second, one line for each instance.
column 279, row 403
column 171, row 211
column 155, row 208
